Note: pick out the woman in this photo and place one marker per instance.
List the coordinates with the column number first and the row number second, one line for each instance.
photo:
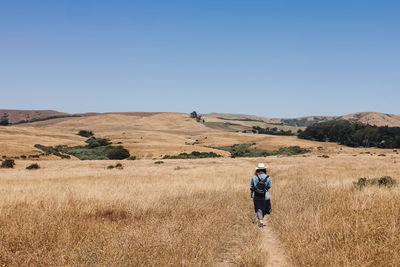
column 259, row 187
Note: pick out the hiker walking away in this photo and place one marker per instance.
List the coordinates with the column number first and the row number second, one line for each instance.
column 259, row 187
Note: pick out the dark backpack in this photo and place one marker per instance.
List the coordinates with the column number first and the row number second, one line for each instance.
column 261, row 186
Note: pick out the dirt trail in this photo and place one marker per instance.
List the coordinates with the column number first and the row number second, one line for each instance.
column 271, row 244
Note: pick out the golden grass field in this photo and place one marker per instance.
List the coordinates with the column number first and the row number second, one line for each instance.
column 191, row 212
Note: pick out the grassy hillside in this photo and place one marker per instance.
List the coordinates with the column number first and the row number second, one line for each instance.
column 20, row 115
column 149, row 136
column 373, row 118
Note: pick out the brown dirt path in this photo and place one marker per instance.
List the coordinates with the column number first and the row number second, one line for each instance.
column 272, row 246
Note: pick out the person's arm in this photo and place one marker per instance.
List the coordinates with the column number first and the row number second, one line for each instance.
column 269, row 182
column 251, row 186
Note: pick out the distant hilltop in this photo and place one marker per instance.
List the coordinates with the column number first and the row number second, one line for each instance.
column 372, row 118
column 16, row 116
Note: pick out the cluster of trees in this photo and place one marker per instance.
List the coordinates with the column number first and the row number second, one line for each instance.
column 195, row 115
column 193, row 155
column 245, row 119
column 354, row 134
column 303, row 121
column 28, row 120
column 4, row 120
column 96, row 149
column 273, row 131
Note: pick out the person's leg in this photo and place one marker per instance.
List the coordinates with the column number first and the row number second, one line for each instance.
column 268, row 208
column 260, row 217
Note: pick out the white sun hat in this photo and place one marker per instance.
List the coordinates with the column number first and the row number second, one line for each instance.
column 261, row 166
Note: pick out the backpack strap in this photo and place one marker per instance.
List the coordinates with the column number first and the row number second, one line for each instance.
column 259, row 179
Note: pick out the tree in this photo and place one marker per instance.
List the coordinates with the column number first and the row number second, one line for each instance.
column 4, row 120
column 193, row 115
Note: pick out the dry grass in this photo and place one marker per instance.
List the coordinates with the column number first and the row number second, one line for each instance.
column 324, row 221
column 79, row 213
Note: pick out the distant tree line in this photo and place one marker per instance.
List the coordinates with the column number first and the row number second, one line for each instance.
column 273, row 131
column 353, row 134
column 301, row 122
column 244, row 119
column 46, row 118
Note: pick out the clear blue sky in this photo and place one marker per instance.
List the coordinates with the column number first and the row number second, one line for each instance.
column 271, row 58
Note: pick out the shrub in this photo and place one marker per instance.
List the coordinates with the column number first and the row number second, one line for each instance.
column 96, row 149
column 381, row 155
column 57, row 151
column 4, row 156
column 33, row 166
column 324, row 156
column 96, row 142
column 132, row 158
column 119, row 166
column 291, row 150
column 193, row 155
column 85, row 133
column 246, row 150
column 8, row 163
column 159, row 162
column 118, row 152
column 23, row 157
column 386, row 181
column 110, row 167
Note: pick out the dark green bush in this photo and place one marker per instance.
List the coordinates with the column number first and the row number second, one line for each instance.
column 8, row 163
column 159, row 162
column 33, row 166
column 49, row 150
column 110, row 167
column 85, row 133
column 272, row 131
column 23, row 157
column 119, row 166
column 193, row 155
column 246, row 150
column 385, row 181
column 118, row 152
column 96, row 142
column 132, row 158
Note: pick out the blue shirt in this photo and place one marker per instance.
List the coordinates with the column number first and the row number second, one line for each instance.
column 254, row 181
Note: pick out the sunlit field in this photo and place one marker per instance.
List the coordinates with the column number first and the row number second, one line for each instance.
column 198, row 213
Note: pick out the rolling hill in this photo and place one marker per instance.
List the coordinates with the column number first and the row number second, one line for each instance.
column 20, row 115
column 147, row 135
column 373, row 118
